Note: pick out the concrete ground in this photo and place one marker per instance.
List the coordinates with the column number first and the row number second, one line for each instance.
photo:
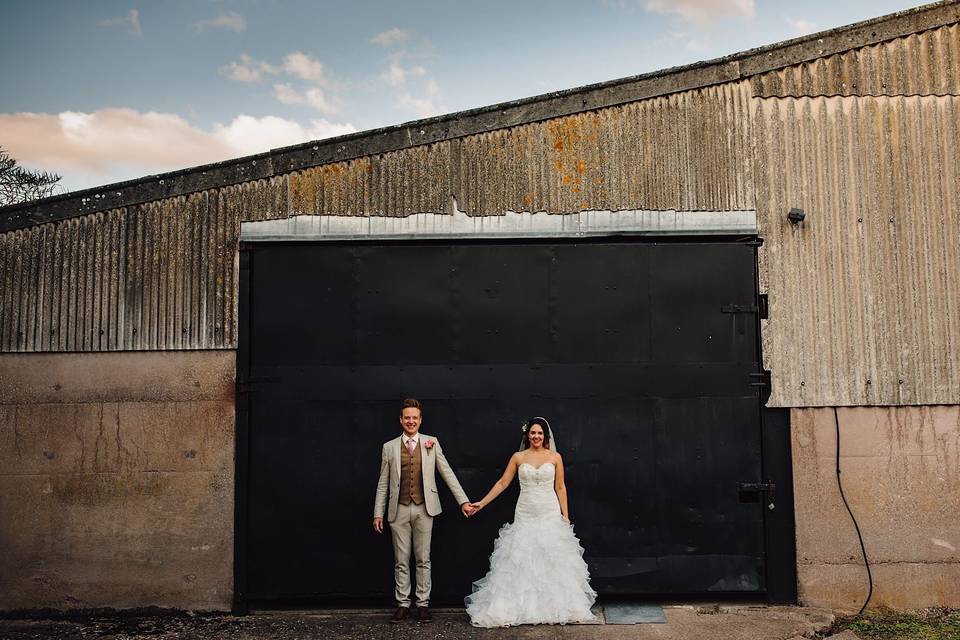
column 684, row 622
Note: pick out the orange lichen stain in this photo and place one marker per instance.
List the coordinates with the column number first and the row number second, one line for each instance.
column 598, row 180
column 576, row 189
column 303, row 191
column 558, row 165
column 566, row 179
column 581, row 166
column 528, row 199
column 558, row 144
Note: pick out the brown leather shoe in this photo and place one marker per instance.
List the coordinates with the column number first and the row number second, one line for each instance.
column 399, row 615
column 423, row 613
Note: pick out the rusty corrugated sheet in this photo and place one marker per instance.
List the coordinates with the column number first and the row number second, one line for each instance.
column 687, row 151
column 397, row 183
column 684, row 152
column 865, row 294
column 926, row 63
column 258, row 199
column 162, row 275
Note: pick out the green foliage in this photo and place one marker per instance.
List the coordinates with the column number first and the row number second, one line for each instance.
column 20, row 185
column 930, row 624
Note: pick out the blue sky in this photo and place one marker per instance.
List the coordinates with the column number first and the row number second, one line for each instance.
column 112, row 90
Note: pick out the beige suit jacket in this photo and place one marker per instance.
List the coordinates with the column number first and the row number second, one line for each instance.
column 431, row 461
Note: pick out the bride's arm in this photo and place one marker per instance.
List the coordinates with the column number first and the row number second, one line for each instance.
column 561, row 489
column 500, row 485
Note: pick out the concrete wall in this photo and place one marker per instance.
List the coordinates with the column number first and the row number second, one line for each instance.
column 900, row 468
column 116, row 480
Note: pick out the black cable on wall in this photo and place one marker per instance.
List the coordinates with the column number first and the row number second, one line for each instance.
column 866, row 562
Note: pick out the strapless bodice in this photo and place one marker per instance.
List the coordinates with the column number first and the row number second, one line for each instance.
column 537, row 495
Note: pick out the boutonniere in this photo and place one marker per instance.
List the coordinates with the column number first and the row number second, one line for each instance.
column 428, row 444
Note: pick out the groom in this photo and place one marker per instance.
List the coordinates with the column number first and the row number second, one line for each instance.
column 407, row 468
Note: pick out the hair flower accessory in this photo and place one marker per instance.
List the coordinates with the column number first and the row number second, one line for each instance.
column 428, row 444
column 524, row 426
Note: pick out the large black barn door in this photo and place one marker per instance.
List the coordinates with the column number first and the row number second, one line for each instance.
column 643, row 355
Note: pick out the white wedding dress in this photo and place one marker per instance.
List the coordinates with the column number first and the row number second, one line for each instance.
column 537, row 573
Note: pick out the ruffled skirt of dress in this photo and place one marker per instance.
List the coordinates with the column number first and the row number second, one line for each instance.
column 537, row 576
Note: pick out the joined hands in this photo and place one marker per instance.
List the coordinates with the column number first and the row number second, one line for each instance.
column 470, row 508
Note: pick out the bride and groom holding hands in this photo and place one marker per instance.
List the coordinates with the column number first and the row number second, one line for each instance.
column 537, row 574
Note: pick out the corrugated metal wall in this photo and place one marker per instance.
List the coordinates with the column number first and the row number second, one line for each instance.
column 686, row 151
column 863, row 310
column 155, row 276
column 163, row 275
column 926, row 63
column 865, row 295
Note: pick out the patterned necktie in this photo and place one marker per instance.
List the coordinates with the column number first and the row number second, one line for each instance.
column 411, row 445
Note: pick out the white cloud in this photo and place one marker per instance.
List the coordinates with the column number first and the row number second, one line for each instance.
column 691, row 40
column 248, row 134
column 296, row 65
column 248, row 69
column 391, row 37
column 131, row 20
column 311, row 86
column 311, row 97
column 230, row 20
column 800, row 26
column 117, row 144
column 396, row 76
column 287, row 94
column 424, row 102
column 414, row 87
column 702, row 11
column 300, row 65
column 424, row 107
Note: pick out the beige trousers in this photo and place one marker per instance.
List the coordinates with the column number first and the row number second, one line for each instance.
column 412, row 530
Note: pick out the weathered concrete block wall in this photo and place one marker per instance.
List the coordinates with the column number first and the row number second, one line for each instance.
column 116, row 480
column 900, row 468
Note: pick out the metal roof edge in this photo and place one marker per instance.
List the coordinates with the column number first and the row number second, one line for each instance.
column 479, row 120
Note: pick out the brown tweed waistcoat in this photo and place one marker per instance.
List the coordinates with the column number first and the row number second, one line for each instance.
column 411, row 476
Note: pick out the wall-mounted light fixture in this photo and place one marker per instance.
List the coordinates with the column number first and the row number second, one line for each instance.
column 796, row 216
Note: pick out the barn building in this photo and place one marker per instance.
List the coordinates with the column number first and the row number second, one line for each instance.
column 721, row 282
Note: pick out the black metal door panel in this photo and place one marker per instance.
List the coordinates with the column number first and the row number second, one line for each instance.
column 640, row 353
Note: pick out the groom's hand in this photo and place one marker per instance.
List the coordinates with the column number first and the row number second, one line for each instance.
column 378, row 525
column 467, row 509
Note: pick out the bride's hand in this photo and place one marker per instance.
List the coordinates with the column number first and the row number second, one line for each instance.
column 566, row 519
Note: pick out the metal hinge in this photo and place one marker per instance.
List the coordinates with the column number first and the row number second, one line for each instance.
column 243, row 386
column 760, row 378
column 739, row 308
column 761, row 308
column 751, row 491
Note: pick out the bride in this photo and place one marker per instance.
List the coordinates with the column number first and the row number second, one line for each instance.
column 537, row 573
